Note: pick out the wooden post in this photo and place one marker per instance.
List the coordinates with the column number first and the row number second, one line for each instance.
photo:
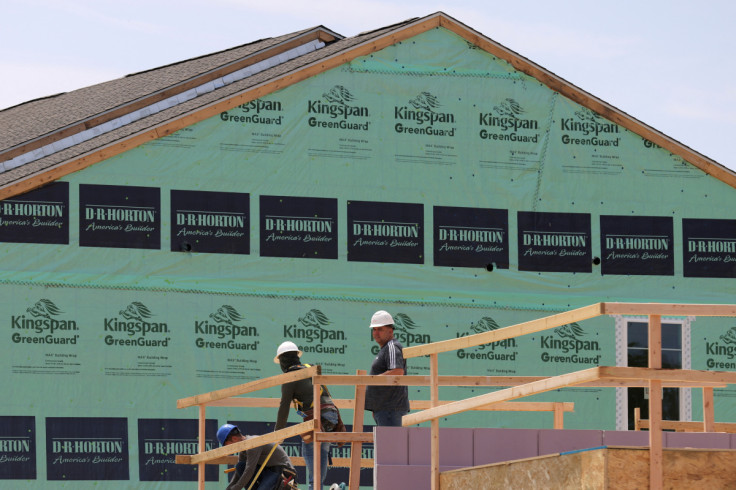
column 356, row 448
column 637, row 418
column 201, row 466
column 317, row 445
column 434, row 390
column 655, row 404
column 709, row 418
column 559, row 416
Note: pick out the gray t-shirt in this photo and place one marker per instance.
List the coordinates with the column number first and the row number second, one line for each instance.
column 390, row 356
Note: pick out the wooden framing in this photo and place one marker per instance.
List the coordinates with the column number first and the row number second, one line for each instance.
column 433, row 409
column 438, row 19
column 654, row 376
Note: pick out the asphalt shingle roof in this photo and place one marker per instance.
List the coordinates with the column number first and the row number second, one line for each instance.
column 39, row 117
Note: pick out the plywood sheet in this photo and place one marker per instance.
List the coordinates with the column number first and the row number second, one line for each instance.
column 609, row 468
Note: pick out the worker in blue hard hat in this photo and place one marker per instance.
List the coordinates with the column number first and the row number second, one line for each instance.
column 275, row 463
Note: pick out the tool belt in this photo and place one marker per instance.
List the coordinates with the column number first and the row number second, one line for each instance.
column 327, row 426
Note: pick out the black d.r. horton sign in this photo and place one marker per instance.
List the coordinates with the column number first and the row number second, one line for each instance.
column 304, row 227
column 637, row 245
column 709, row 247
column 554, row 242
column 210, row 222
column 471, row 237
column 385, row 232
column 39, row 216
column 119, row 216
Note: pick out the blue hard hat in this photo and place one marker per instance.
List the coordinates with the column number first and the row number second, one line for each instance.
column 225, row 431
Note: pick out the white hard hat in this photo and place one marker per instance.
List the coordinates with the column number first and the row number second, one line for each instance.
column 381, row 319
column 287, row 346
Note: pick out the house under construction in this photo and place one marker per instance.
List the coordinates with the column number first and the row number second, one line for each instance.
column 161, row 234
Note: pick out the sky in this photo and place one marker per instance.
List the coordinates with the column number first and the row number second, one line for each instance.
column 668, row 63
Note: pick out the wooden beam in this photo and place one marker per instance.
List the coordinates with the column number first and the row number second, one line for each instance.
column 541, row 386
column 525, row 328
column 627, row 379
column 504, row 406
column 201, row 446
column 655, row 404
column 675, row 376
column 271, row 437
column 316, row 470
column 349, row 404
column 259, row 384
column 356, row 448
column 708, row 410
column 344, row 436
column 559, row 419
column 434, row 391
column 667, row 309
column 295, row 460
column 655, row 435
column 690, row 426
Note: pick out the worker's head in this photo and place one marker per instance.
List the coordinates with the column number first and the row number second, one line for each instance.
column 382, row 327
column 229, row 434
column 287, row 355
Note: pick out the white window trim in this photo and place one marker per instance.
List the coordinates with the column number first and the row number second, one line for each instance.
column 622, row 394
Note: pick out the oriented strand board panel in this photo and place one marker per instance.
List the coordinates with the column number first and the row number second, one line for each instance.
column 609, row 468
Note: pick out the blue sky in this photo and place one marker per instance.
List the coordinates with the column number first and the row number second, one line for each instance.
column 669, row 63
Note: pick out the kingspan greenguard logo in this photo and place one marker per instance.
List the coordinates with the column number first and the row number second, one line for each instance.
column 505, row 123
column 407, row 332
column 313, row 332
column 424, row 119
column 588, row 128
column 43, row 324
column 722, row 352
column 506, row 347
column 334, row 111
column 224, row 330
column 256, row 112
column 567, row 344
column 133, row 328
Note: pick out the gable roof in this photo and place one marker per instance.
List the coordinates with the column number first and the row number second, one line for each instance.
column 48, row 138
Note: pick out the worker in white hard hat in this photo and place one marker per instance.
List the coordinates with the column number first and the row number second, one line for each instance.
column 301, row 392
column 388, row 403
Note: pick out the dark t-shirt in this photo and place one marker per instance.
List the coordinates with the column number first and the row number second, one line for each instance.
column 391, row 356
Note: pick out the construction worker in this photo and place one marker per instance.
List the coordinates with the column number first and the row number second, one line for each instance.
column 388, row 403
column 272, row 458
column 301, row 392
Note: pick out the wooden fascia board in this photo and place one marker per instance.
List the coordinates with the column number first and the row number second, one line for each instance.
column 583, row 98
column 165, row 93
column 83, row 161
